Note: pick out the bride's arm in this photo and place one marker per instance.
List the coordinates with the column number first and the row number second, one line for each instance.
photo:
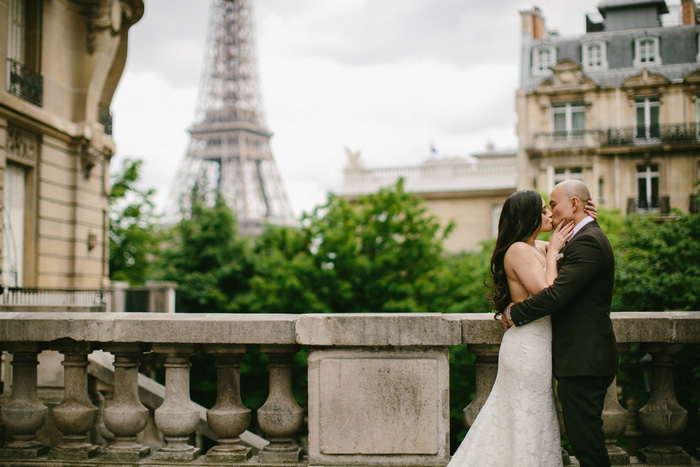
column 556, row 243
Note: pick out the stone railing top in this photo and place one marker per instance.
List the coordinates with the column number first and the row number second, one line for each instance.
column 378, row 329
column 363, row 329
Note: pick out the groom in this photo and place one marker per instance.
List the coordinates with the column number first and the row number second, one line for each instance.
column 584, row 351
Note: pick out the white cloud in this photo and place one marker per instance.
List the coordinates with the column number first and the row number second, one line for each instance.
column 387, row 78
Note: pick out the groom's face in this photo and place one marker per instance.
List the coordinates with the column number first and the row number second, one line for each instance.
column 561, row 207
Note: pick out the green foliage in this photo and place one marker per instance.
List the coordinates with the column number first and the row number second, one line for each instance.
column 658, row 264
column 208, row 261
column 133, row 232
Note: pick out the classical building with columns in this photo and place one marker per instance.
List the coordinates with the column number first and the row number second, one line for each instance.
column 63, row 60
column 616, row 107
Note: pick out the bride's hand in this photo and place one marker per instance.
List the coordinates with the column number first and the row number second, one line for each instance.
column 591, row 210
column 559, row 236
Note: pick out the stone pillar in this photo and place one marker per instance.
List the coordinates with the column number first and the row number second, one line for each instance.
column 177, row 417
column 76, row 415
column 486, row 367
column 663, row 419
column 280, row 417
column 126, row 416
column 229, row 417
column 118, row 291
column 24, row 414
column 161, row 296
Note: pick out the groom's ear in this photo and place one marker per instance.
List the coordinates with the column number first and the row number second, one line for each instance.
column 575, row 204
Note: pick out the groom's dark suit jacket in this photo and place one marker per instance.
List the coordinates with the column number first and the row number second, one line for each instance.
column 583, row 341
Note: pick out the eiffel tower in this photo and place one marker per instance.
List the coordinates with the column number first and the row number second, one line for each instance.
column 229, row 149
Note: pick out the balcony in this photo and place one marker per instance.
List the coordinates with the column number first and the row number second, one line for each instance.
column 377, row 395
column 654, row 134
column 574, row 139
column 25, row 83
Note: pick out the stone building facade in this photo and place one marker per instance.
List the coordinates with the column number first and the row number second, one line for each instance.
column 469, row 191
column 616, row 107
column 63, row 60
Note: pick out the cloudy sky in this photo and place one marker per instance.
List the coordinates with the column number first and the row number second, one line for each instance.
column 387, row 78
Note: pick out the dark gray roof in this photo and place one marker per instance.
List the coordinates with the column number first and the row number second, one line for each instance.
column 678, row 48
column 606, row 5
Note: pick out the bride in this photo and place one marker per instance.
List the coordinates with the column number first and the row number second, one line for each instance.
column 518, row 423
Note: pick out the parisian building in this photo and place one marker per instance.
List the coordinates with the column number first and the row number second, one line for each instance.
column 63, row 61
column 616, row 107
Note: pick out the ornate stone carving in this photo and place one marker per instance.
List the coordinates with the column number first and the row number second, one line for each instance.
column 90, row 156
column 22, row 144
column 98, row 19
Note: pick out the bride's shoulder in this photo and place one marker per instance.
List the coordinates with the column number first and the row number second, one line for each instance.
column 518, row 249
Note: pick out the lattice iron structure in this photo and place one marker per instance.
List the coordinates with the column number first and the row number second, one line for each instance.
column 229, row 149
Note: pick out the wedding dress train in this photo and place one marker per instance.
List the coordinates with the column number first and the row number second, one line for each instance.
column 517, row 426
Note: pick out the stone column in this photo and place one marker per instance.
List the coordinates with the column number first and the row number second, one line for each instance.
column 280, row 417
column 76, row 415
column 229, row 417
column 126, row 416
column 663, row 419
column 486, row 367
column 24, row 414
column 177, row 417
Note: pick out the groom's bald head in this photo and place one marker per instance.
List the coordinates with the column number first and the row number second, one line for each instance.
column 567, row 201
column 574, row 189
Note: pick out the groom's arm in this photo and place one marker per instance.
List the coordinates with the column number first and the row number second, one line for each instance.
column 583, row 264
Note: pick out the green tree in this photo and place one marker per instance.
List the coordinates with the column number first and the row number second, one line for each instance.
column 658, row 265
column 206, row 258
column 134, row 235
column 377, row 254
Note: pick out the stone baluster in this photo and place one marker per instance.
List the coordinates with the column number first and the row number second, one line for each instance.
column 125, row 416
column 663, row 419
column 615, row 420
column 177, row 417
column 486, row 367
column 229, row 417
column 280, row 417
column 75, row 416
column 614, row 424
column 24, row 414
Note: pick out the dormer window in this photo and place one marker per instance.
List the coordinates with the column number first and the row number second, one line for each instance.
column 543, row 58
column 646, row 51
column 594, row 55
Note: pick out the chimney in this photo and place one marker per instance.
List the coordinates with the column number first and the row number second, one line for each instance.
column 533, row 23
column 689, row 14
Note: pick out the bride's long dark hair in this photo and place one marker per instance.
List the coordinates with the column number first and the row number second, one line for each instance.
column 521, row 217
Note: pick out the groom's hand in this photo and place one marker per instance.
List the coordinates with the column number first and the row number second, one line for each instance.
column 505, row 317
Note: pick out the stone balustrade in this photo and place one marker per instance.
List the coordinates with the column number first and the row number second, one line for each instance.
column 378, row 387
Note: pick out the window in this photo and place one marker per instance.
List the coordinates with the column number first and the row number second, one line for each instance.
column 647, row 116
column 648, row 186
column 543, row 58
column 24, row 50
column 567, row 173
column 594, row 55
column 13, row 225
column 568, row 121
column 646, row 51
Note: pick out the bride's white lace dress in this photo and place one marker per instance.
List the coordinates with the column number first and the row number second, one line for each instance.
column 517, row 426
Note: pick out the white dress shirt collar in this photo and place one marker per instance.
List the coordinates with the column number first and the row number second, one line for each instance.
column 579, row 226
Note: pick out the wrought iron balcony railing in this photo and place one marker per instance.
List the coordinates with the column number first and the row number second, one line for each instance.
column 25, row 83
column 654, row 134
